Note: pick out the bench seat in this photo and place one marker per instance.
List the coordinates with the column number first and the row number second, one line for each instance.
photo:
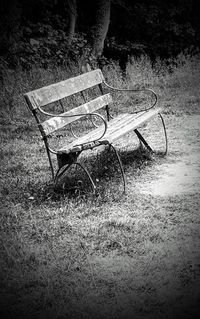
column 116, row 128
column 81, row 97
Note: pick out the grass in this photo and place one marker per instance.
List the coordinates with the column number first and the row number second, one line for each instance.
column 111, row 256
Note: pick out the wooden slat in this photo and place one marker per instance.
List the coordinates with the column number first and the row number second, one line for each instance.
column 60, row 90
column 56, row 123
column 112, row 125
column 131, row 124
column 117, row 127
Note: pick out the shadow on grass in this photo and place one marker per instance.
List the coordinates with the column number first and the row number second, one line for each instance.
column 105, row 172
column 104, row 168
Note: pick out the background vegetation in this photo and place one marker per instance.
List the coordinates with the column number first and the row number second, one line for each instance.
column 41, row 32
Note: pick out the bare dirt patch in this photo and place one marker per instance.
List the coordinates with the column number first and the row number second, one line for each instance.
column 181, row 173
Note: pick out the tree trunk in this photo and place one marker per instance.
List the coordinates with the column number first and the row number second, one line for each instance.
column 101, row 27
column 72, row 7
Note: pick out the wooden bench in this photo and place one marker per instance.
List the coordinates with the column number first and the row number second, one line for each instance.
column 107, row 133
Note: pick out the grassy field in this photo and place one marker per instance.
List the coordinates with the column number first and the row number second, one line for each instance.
column 133, row 255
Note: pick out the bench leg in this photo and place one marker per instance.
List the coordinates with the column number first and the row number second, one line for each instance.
column 64, row 168
column 120, row 164
column 89, row 176
column 165, row 132
column 60, row 172
column 141, row 138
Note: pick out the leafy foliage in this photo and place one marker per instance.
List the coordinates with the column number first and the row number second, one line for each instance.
column 37, row 30
column 47, row 45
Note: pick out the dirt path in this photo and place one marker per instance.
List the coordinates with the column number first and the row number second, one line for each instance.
column 180, row 174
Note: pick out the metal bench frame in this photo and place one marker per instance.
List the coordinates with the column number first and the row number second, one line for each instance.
column 56, row 92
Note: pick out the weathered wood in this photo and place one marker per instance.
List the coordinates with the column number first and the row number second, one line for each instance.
column 117, row 127
column 56, row 123
column 60, row 90
column 103, row 135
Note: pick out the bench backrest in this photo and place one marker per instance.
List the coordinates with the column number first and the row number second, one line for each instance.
column 58, row 91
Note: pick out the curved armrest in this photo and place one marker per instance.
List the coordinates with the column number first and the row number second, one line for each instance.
column 78, row 115
column 105, row 128
column 135, row 90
